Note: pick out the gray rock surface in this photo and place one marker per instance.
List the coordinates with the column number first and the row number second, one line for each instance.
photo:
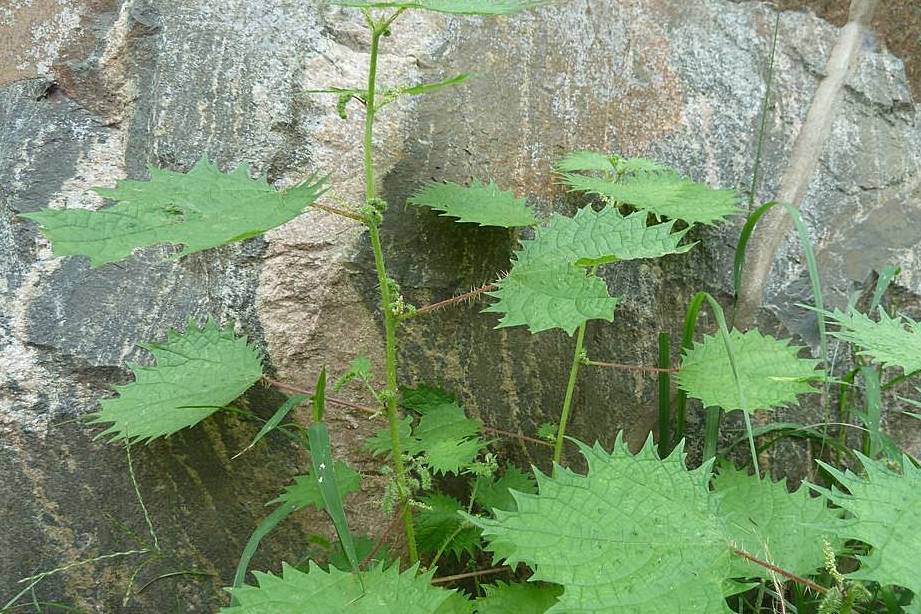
column 94, row 90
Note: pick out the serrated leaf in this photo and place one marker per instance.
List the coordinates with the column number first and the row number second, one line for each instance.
column 380, row 442
column 664, row 194
column 585, row 161
column 458, row 7
column 448, row 439
column 602, row 235
column 385, row 590
column 359, row 368
column 201, row 209
column 639, row 534
column 638, row 165
column 306, row 492
column 771, row 373
column 887, row 341
column 548, row 430
column 495, row 492
column 885, row 510
column 444, row 435
column 364, row 547
column 423, row 398
column 550, row 295
column 766, row 520
column 486, row 205
column 195, row 374
column 547, row 286
column 523, row 597
column 437, row 523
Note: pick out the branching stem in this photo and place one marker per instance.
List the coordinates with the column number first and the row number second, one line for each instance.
column 448, row 302
column 391, row 319
column 626, row 367
column 340, row 212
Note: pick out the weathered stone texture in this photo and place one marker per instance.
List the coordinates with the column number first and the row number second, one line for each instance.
column 94, row 91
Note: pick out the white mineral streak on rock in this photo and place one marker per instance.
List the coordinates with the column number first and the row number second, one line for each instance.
column 101, row 165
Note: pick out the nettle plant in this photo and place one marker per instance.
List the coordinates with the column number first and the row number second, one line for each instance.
column 638, row 531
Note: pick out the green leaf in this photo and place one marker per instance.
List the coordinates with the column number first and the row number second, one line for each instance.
column 548, row 430
column 201, row 209
column 546, row 295
column 546, row 287
column 601, row 235
column 637, row 534
column 638, row 165
column 444, row 435
column 385, row 590
column 306, row 492
column 770, row 371
column 885, row 510
column 458, row 7
column 436, row 524
column 273, row 422
column 448, row 439
column 662, row 193
column 364, row 547
column 327, row 481
column 523, row 597
column 389, row 95
column 485, row 205
column 766, row 520
column 423, row 398
column 380, row 442
column 359, row 368
column 886, row 342
column 495, row 492
column 195, row 374
column 585, row 161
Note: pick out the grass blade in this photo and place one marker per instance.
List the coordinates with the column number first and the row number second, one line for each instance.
column 265, row 527
column 872, row 417
column 687, row 340
column 739, row 262
column 759, row 150
column 325, row 472
column 886, row 276
column 275, row 420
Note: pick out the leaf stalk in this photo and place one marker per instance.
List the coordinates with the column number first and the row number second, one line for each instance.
column 577, row 359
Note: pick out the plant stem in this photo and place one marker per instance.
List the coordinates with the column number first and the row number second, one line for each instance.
column 665, row 394
column 711, row 431
column 780, row 571
column 390, row 318
column 570, row 388
column 370, row 190
column 471, row 574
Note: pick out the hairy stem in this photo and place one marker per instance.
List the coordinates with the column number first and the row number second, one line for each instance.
column 471, row 574
column 577, row 358
column 390, row 318
column 780, row 571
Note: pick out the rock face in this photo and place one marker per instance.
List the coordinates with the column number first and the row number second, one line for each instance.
column 94, row 90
